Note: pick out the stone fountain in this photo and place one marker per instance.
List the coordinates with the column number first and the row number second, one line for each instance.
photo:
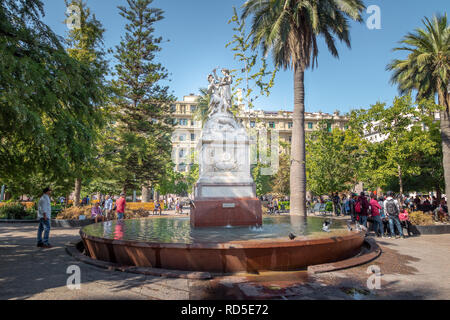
column 225, row 231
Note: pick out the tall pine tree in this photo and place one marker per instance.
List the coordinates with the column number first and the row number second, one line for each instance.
column 144, row 124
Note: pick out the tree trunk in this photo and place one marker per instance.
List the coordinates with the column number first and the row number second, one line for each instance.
column 400, row 179
column 77, row 195
column 444, row 100
column 146, row 194
column 298, row 169
column 438, row 193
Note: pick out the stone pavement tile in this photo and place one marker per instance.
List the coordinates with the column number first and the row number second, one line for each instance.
column 414, row 268
column 160, row 292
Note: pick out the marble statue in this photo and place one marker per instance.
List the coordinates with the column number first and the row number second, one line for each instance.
column 225, row 150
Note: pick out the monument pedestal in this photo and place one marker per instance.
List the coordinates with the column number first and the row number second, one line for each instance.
column 218, row 212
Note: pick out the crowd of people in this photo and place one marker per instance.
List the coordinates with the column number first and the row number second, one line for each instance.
column 274, row 205
column 388, row 215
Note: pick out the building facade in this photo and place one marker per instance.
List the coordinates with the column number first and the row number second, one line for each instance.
column 187, row 131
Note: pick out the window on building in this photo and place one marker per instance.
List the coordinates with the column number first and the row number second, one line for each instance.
column 329, row 127
column 192, row 123
column 252, row 124
column 183, row 122
column 183, row 109
column 182, row 167
column 193, row 108
column 290, row 125
column 182, row 137
column 272, row 124
column 310, row 125
column 192, row 136
column 290, row 139
column 182, row 153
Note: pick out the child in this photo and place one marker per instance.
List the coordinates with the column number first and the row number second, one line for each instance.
column 404, row 220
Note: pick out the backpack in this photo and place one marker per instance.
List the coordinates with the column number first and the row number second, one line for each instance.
column 391, row 208
column 358, row 207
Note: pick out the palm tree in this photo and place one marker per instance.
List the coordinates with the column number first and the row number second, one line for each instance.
column 202, row 111
column 289, row 29
column 427, row 70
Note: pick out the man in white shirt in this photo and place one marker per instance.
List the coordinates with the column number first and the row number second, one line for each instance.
column 44, row 215
column 109, row 208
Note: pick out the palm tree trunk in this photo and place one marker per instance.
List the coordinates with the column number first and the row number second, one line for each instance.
column 445, row 134
column 298, row 170
column 444, row 100
column 76, row 200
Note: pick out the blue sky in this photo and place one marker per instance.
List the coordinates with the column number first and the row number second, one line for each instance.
column 197, row 31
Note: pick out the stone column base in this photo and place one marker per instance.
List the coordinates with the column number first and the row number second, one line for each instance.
column 226, row 212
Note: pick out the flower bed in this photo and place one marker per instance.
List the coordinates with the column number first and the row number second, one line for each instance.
column 27, row 205
column 16, row 211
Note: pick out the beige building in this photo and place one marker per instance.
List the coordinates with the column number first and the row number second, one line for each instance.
column 187, row 133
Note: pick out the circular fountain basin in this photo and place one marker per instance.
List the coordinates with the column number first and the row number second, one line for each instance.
column 171, row 243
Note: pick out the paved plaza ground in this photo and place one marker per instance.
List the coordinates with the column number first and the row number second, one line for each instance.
column 414, row 268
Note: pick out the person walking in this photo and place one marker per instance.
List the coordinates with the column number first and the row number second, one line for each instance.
column 363, row 209
column 169, row 203
column 404, row 220
column 108, row 208
column 44, row 216
column 352, row 202
column 179, row 206
column 337, row 204
column 392, row 210
column 120, row 206
column 376, row 216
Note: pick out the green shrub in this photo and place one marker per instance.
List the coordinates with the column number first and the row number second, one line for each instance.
column 329, row 207
column 12, row 211
column 285, row 203
column 31, row 214
column 419, row 218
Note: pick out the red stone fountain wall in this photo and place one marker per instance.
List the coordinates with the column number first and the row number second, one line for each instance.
column 226, row 212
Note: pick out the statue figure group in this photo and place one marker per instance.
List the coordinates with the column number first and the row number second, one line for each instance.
column 220, row 91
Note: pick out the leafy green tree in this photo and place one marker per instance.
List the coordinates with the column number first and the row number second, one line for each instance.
column 332, row 160
column 174, row 182
column 46, row 114
column 202, row 111
column 289, row 29
column 427, row 70
column 262, row 182
column 405, row 131
column 85, row 44
column 144, row 124
column 260, row 79
column 280, row 180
